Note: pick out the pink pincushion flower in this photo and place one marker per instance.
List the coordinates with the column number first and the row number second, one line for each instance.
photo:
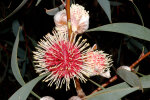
column 99, row 63
column 62, row 58
column 79, row 19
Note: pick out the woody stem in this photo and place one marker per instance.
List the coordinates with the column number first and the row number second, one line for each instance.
column 79, row 90
column 68, row 18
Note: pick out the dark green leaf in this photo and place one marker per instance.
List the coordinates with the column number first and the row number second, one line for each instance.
column 105, row 4
column 20, row 53
column 130, row 47
column 138, row 45
column 25, row 90
column 16, row 10
column 14, row 63
column 130, row 29
column 129, row 77
column 96, row 84
column 34, row 43
column 119, row 53
column 138, row 12
column 115, row 3
column 15, row 27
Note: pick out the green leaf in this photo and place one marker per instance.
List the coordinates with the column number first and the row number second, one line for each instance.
column 130, row 47
column 14, row 63
column 21, row 52
column 16, row 10
column 118, row 91
column 105, row 4
column 96, row 84
column 137, row 69
column 129, row 77
column 130, row 29
column 115, row 3
column 25, row 90
column 15, row 27
column 34, row 43
column 138, row 12
column 54, row 10
column 138, row 45
column 115, row 95
column 145, row 81
column 119, row 53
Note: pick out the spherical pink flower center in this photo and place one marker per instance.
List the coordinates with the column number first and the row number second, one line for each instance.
column 64, row 59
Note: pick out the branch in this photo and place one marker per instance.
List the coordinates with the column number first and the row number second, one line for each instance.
column 68, row 18
column 79, row 90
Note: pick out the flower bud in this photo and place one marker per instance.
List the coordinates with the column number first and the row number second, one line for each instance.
column 125, row 67
column 47, row 98
column 75, row 98
column 79, row 19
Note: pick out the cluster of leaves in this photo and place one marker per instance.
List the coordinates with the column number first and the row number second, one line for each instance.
column 19, row 56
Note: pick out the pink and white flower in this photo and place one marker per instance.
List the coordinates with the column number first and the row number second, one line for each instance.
column 79, row 19
column 99, row 63
column 63, row 59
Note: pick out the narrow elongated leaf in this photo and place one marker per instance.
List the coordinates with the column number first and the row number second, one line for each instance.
column 16, row 10
column 20, row 53
column 138, row 12
column 15, row 26
column 14, row 63
column 118, row 91
column 25, row 90
column 119, row 53
column 130, row 47
column 105, row 4
column 96, row 84
column 34, row 43
column 130, row 29
column 129, row 77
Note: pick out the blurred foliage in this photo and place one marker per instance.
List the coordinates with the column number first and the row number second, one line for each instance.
column 31, row 16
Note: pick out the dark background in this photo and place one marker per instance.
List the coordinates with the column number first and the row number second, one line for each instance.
column 36, row 23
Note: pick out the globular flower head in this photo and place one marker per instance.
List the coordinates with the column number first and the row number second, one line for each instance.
column 79, row 19
column 99, row 63
column 64, row 59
